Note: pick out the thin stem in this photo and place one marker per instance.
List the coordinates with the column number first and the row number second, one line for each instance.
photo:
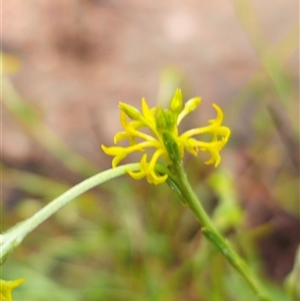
column 14, row 236
column 211, row 233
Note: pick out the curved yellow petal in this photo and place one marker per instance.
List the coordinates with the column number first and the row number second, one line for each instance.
column 137, row 175
column 121, row 136
column 219, row 119
column 112, row 150
column 153, row 178
column 117, row 159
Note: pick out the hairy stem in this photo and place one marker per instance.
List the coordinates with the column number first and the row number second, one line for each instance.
column 11, row 238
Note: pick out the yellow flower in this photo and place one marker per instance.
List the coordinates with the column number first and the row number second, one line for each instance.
column 164, row 137
column 6, row 288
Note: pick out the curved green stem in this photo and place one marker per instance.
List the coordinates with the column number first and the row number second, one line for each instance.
column 10, row 239
column 183, row 188
column 177, row 180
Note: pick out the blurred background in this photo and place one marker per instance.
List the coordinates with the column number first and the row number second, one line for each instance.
column 66, row 66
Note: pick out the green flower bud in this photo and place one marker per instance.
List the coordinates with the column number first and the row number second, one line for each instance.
column 189, row 107
column 165, row 121
column 160, row 120
column 130, row 111
column 176, row 102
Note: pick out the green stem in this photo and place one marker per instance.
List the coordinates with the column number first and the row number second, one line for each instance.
column 10, row 239
column 211, row 233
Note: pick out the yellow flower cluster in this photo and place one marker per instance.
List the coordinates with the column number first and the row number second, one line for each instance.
column 163, row 126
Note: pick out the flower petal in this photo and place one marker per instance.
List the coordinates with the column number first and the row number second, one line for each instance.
column 155, row 179
column 137, row 175
column 121, row 136
column 6, row 288
column 145, row 109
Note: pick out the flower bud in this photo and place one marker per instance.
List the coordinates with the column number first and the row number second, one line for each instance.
column 165, row 121
column 130, row 111
column 189, row 107
column 176, row 102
